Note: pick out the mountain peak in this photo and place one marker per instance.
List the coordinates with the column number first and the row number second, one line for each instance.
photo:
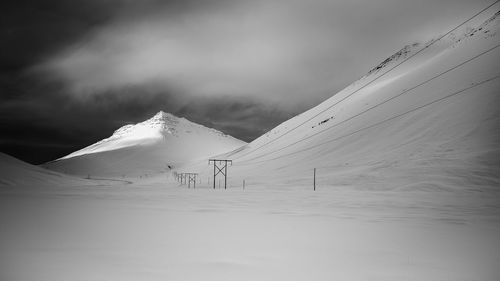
column 162, row 120
column 157, row 127
column 164, row 128
column 162, row 115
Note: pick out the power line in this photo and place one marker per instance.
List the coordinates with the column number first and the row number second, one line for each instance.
column 381, row 122
column 379, row 104
column 371, row 81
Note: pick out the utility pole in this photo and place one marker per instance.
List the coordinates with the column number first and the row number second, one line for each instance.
column 220, row 167
column 191, row 179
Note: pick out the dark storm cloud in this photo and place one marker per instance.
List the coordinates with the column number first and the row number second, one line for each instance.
column 31, row 30
column 271, row 50
column 71, row 72
column 244, row 118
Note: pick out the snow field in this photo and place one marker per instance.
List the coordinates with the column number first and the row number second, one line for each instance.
column 169, row 232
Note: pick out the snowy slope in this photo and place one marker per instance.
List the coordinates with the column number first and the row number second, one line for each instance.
column 431, row 123
column 14, row 172
column 147, row 147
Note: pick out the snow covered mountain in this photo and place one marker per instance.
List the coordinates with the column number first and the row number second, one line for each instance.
column 155, row 145
column 426, row 118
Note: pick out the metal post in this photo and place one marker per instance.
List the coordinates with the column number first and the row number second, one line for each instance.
column 220, row 167
column 225, row 176
column 314, row 183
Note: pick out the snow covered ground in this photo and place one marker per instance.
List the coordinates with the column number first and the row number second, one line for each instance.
column 162, row 231
column 15, row 174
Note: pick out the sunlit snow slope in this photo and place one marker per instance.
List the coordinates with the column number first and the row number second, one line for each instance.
column 147, row 147
column 431, row 123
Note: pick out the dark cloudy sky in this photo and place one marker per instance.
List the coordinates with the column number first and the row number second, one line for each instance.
column 73, row 71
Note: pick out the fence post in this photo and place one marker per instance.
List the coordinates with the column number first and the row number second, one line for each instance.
column 314, row 182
